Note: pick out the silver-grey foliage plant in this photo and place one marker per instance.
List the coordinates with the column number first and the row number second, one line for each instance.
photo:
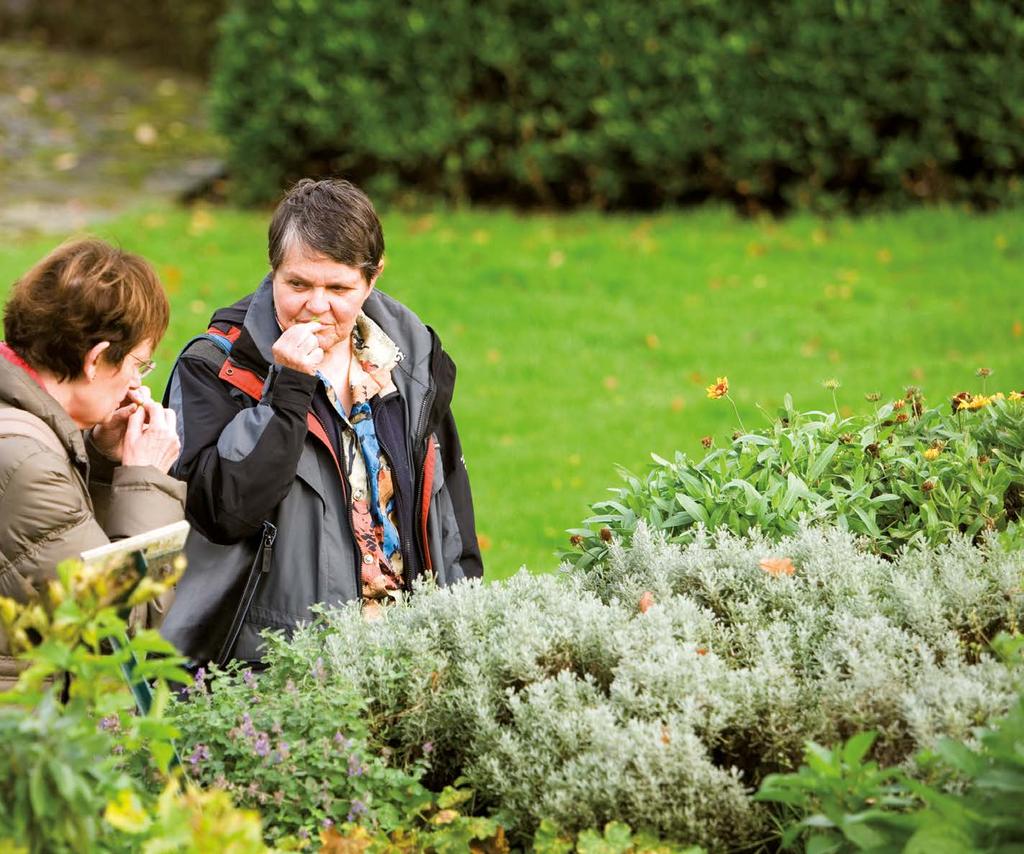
column 660, row 686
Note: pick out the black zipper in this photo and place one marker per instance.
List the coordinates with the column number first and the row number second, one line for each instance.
column 267, row 546
column 408, row 542
column 419, row 439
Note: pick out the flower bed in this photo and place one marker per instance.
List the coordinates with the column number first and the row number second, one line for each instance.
column 659, row 687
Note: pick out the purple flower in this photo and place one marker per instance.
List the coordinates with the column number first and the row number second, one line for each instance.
column 247, row 676
column 283, row 749
column 248, row 730
column 428, row 748
column 355, row 769
column 358, row 809
column 327, row 824
column 261, row 747
column 200, row 754
column 303, row 833
column 199, row 681
column 279, row 797
column 289, row 686
column 111, row 723
column 341, row 741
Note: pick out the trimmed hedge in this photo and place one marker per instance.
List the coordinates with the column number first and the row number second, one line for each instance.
column 854, row 103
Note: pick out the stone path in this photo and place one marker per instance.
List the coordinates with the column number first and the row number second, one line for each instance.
column 83, row 138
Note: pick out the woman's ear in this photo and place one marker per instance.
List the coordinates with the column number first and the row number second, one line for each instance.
column 380, row 269
column 91, row 363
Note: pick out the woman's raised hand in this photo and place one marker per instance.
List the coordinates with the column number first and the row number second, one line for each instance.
column 151, row 437
column 298, row 348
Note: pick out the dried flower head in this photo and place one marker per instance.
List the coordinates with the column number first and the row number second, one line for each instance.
column 928, row 486
column 831, row 384
column 902, row 418
column 897, row 405
column 720, row 388
column 576, row 540
column 983, row 372
column 706, row 441
column 960, row 401
column 872, row 397
column 606, row 534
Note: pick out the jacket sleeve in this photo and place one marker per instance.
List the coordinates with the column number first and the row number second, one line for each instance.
column 238, row 460
column 458, row 523
column 46, row 519
column 129, row 500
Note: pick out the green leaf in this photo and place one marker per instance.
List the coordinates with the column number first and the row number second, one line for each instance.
column 857, row 747
column 696, row 512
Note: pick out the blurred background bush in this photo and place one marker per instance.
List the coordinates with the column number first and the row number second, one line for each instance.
column 173, row 33
column 779, row 104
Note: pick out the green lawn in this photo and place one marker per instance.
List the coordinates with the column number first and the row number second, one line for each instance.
column 584, row 341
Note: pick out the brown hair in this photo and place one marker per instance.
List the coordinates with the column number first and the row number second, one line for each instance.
column 333, row 217
column 82, row 293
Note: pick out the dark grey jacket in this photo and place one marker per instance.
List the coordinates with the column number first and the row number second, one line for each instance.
column 253, row 452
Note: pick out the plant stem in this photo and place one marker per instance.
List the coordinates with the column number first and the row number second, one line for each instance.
column 734, row 409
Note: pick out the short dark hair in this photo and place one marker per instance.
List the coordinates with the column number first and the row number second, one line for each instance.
column 333, row 217
column 80, row 294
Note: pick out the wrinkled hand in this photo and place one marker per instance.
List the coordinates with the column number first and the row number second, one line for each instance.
column 108, row 435
column 298, row 348
column 151, row 437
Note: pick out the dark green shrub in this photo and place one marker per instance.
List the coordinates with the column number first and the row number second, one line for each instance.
column 902, row 475
column 811, row 102
column 173, row 33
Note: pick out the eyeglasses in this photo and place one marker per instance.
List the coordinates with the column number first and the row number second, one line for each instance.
column 146, row 366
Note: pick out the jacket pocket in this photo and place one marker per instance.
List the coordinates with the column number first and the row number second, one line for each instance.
column 14, row 585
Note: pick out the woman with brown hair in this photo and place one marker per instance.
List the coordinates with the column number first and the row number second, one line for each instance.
column 79, row 329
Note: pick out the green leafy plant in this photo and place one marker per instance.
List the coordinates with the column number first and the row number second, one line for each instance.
column 903, row 475
column 616, row 838
column 65, row 784
column 844, row 803
column 293, row 741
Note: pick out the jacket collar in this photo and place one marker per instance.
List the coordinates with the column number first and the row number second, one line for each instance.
column 21, row 388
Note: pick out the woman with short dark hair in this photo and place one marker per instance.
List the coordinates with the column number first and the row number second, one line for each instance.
column 79, row 329
column 318, row 442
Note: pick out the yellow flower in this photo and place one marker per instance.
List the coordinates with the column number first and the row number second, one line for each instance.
column 932, row 454
column 719, row 389
column 126, row 813
column 1016, row 395
column 979, row 402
